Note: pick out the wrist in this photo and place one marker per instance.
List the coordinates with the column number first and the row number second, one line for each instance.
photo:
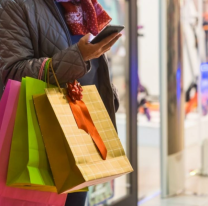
column 80, row 49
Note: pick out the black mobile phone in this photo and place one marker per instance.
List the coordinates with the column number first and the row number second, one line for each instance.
column 107, row 31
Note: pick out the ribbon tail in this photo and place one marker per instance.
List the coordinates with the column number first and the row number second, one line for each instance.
column 78, row 116
column 85, row 122
column 93, row 131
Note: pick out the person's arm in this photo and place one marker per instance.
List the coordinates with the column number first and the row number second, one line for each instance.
column 17, row 54
column 17, row 58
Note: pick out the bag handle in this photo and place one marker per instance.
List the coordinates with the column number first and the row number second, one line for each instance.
column 41, row 68
column 46, row 69
column 49, row 65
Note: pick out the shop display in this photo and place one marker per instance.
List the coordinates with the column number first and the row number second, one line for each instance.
column 100, row 194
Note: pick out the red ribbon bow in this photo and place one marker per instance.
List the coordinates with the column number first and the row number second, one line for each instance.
column 75, row 91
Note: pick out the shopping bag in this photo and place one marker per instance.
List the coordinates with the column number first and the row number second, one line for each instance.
column 74, row 159
column 3, row 102
column 28, row 164
column 14, row 196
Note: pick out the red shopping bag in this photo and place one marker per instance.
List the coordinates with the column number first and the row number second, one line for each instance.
column 14, row 196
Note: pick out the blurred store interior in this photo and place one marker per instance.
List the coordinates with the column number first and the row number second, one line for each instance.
column 172, row 102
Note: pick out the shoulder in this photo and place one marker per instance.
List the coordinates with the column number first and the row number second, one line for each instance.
column 15, row 4
column 18, row 8
column 10, row 3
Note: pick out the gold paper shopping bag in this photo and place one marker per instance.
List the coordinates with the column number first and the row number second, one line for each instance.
column 74, row 158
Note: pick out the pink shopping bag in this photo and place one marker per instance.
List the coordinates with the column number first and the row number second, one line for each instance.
column 3, row 103
column 14, row 196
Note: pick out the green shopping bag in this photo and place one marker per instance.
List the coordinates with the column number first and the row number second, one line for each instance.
column 28, row 165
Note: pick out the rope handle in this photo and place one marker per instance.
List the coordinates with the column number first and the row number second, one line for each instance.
column 46, row 69
column 42, row 68
column 48, row 66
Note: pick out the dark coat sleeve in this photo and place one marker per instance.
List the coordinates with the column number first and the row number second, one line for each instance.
column 116, row 97
column 17, row 57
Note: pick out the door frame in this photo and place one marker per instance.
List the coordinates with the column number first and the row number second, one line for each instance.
column 132, row 85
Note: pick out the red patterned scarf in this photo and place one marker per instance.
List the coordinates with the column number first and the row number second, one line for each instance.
column 85, row 16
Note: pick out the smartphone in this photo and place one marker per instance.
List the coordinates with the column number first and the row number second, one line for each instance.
column 107, row 31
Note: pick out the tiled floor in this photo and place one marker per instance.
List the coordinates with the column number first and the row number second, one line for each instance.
column 195, row 194
column 182, row 200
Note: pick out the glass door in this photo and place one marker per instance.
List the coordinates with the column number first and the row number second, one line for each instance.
column 123, row 72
